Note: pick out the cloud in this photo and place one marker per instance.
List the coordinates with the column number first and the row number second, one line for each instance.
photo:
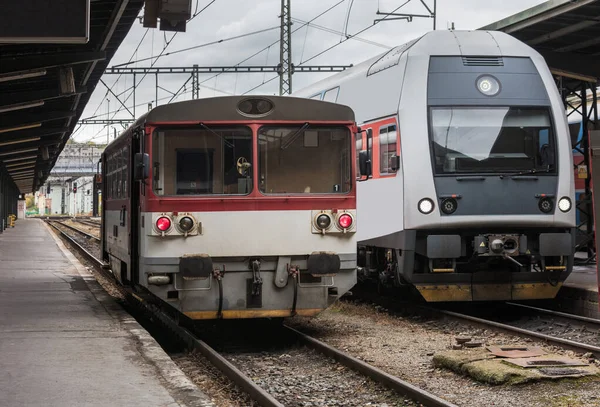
column 229, row 18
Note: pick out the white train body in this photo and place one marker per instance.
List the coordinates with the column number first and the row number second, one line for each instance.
column 472, row 123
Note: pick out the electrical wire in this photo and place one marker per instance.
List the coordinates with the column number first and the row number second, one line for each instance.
column 332, row 47
column 205, row 44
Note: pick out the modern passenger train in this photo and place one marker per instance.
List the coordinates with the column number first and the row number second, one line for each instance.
column 466, row 172
column 234, row 207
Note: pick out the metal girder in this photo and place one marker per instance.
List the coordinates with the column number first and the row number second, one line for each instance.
column 38, row 132
column 106, row 121
column 586, row 65
column 536, row 14
column 27, row 146
column 20, row 63
column 221, row 69
column 28, row 118
column 564, row 31
column 10, row 98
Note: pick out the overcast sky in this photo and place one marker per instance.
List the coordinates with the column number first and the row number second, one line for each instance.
column 224, row 19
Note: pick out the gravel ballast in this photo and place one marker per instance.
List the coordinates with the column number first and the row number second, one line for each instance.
column 405, row 345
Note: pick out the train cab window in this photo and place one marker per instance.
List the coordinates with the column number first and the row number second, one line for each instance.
column 317, row 96
column 304, row 160
column 201, row 161
column 331, row 95
column 491, row 140
column 388, row 137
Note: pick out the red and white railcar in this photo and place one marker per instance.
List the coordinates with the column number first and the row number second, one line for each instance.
column 234, row 207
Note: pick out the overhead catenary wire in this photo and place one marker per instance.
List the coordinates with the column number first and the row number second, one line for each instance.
column 332, row 47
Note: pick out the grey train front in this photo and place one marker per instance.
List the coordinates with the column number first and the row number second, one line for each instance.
column 467, row 168
column 234, row 207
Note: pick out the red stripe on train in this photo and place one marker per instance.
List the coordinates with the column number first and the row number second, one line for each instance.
column 184, row 204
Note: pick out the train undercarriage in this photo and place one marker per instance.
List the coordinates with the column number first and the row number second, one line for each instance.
column 474, row 266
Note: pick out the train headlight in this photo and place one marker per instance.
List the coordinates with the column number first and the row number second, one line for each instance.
column 488, row 85
column 546, row 205
column 186, row 223
column 426, row 206
column 345, row 221
column 163, row 223
column 323, row 221
column 449, row 206
column 564, row 204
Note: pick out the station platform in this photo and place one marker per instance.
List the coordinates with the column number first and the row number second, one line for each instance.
column 65, row 342
column 579, row 293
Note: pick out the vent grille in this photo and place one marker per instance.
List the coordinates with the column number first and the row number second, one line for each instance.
column 483, row 61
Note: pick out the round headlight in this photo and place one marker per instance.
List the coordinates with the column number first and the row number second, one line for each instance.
column 345, row 221
column 546, row 205
column 263, row 106
column 323, row 221
column 488, row 85
column 564, row 204
column 245, row 106
column 163, row 223
column 426, row 206
column 449, row 205
column 186, row 223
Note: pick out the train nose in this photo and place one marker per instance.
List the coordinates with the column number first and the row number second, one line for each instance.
column 497, row 246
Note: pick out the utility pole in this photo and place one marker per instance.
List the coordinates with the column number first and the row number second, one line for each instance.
column 285, row 49
column 195, row 84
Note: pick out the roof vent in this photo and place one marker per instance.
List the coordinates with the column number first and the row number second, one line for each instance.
column 483, row 61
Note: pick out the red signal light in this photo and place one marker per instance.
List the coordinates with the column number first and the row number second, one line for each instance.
column 345, row 221
column 163, row 223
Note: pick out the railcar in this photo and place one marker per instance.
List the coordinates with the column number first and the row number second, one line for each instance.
column 466, row 167
column 234, row 207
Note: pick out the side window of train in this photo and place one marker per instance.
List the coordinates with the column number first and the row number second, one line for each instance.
column 331, row 95
column 359, row 148
column 388, row 140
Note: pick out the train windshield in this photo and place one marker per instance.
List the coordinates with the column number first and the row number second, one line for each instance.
column 304, row 159
column 489, row 140
column 202, row 161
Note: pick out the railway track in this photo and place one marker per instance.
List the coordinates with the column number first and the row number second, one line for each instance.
column 88, row 222
column 82, row 232
column 188, row 335
column 531, row 322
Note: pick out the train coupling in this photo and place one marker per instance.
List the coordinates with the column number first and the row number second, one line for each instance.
column 500, row 245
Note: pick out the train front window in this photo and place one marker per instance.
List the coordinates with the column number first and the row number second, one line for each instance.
column 202, row 161
column 491, row 140
column 305, row 159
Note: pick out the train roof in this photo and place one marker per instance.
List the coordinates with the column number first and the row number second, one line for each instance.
column 225, row 108
column 466, row 43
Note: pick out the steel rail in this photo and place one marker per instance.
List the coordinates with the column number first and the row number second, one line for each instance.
column 576, row 346
column 87, row 235
column 557, row 313
column 405, row 388
column 89, row 256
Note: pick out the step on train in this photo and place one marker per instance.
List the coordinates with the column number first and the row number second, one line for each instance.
column 465, row 167
column 234, row 207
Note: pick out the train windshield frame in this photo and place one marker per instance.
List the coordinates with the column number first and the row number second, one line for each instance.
column 202, row 161
column 309, row 159
column 492, row 139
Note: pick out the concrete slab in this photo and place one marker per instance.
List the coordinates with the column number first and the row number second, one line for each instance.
column 64, row 342
column 584, row 278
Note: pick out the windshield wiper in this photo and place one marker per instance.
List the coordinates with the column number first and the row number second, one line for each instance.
column 204, row 126
column 294, row 136
column 525, row 172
